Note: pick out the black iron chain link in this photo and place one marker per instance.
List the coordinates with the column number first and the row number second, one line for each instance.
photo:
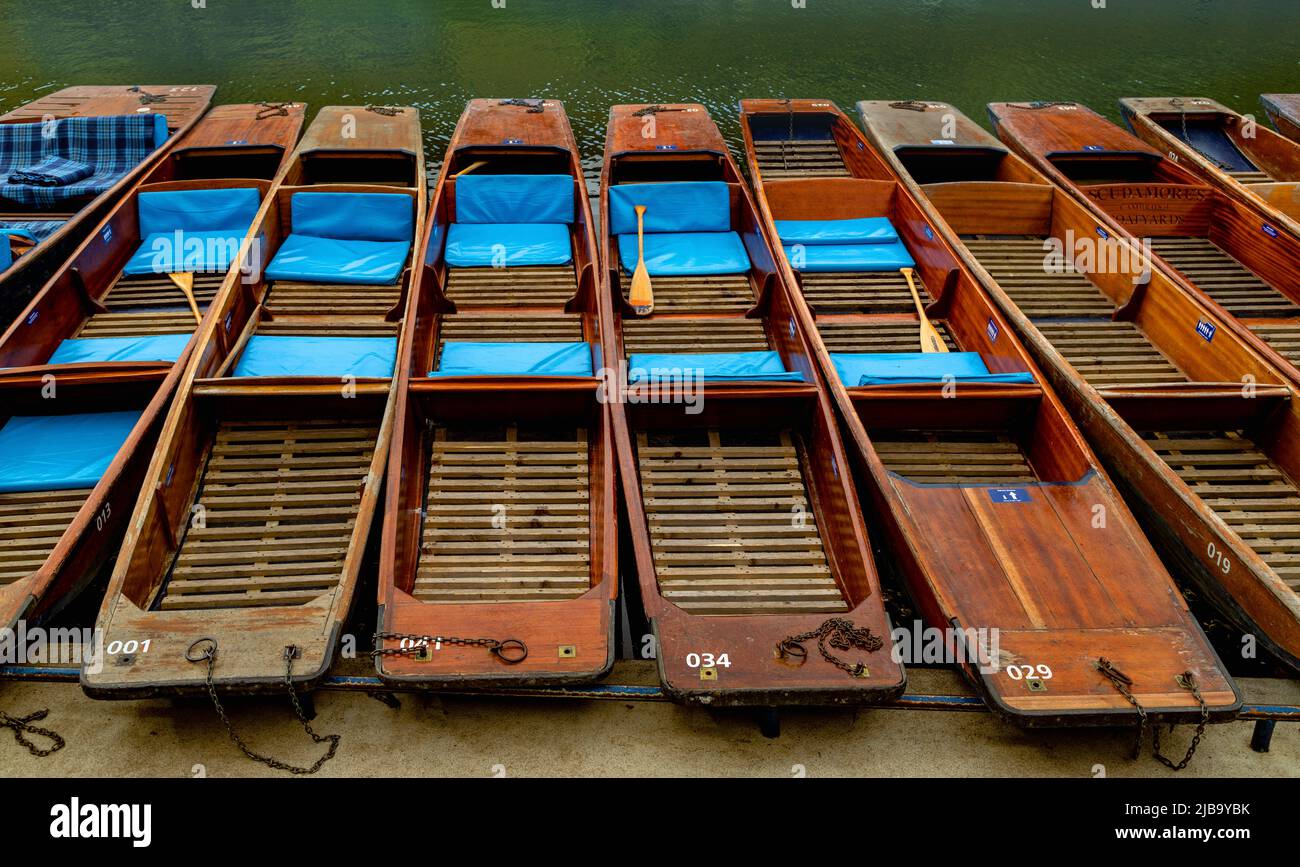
column 841, row 634
column 511, row 651
column 385, row 110
column 21, row 724
column 534, row 106
column 290, row 653
column 273, row 109
column 1187, row 680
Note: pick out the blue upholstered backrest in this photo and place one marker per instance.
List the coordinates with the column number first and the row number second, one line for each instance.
column 677, row 206
column 230, row 210
column 354, row 216
column 514, row 199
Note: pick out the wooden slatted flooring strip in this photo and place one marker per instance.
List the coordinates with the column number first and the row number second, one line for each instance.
column 859, row 292
column 1038, row 286
column 342, row 299
column 329, row 326
column 138, row 324
column 31, row 524
column 783, row 158
column 146, row 292
column 1232, row 475
column 841, row 335
column 693, row 335
column 509, row 328
column 1223, row 278
column 1284, row 337
column 1108, row 353
column 507, row 517
column 709, row 293
column 953, row 457
column 511, row 287
column 731, row 526
column 1251, row 177
column 279, row 502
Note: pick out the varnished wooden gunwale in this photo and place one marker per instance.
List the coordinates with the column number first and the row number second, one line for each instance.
column 1117, row 415
column 89, row 297
column 1283, row 110
column 183, row 104
column 500, row 518
column 721, row 568
column 1044, row 579
column 1273, row 184
column 274, row 458
column 1172, row 202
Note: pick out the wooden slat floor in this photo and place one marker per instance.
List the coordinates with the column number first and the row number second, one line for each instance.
column 518, row 327
column 1223, row 278
column 861, row 292
column 511, row 287
column 1233, row 476
column 151, row 304
column 285, row 298
column 731, row 525
column 1073, row 314
column 1282, row 336
column 507, row 516
column 867, row 335
column 716, row 293
column 784, row 158
column 658, row 334
column 31, row 524
column 953, row 457
column 279, row 502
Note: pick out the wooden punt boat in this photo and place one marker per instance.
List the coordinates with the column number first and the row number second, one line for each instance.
column 1234, row 153
column 500, row 517
column 43, row 234
column 1232, row 252
column 1283, row 110
column 101, row 347
column 987, row 492
column 745, row 526
column 1144, row 365
column 248, row 536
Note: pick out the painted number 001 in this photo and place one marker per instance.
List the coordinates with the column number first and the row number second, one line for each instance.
column 131, row 646
column 1218, row 558
column 1020, row 672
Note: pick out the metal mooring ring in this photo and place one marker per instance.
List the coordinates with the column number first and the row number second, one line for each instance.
column 208, row 654
column 511, row 651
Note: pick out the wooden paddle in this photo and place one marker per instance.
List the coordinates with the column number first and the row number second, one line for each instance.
column 642, row 296
column 184, row 281
column 930, row 339
column 469, row 168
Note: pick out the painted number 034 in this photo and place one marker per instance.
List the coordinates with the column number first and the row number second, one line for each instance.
column 1020, row 672
column 707, row 660
column 1218, row 558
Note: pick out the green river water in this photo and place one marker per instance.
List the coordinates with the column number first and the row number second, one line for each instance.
column 593, row 53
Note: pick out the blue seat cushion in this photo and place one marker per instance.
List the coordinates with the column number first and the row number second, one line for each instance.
column 864, row 230
column 514, row 199
column 677, row 206
column 687, row 253
column 225, row 210
column 6, row 254
column 501, row 245
column 849, row 257
column 329, row 260
column 517, row 359
column 60, row 452
column 169, row 252
column 722, row 366
column 310, row 355
column 154, row 347
column 354, row 216
column 891, row 368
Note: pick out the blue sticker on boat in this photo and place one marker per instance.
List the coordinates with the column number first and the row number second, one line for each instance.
column 1093, row 148
column 1009, row 495
column 1269, row 230
column 1205, row 329
column 229, row 319
column 665, row 147
column 512, row 141
column 861, row 146
column 929, row 233
column 992, row 329
column 1102, row 233
column 107, row 234
column 237, row 141
column 31, row 320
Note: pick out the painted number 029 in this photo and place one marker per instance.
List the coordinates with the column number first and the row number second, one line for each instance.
column 1020, row 672
column 1218, row 558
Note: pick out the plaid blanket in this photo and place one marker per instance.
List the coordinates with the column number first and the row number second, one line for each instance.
column 51, row 172
column 37, row 229
column 111, row 146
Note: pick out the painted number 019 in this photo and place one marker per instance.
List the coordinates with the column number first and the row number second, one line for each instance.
column 1218, row 558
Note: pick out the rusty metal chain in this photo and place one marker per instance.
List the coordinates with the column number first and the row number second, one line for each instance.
column 385, row 110
column 511, row 651
column 21, row 724
column 654, row 109
column 534, row 106
column 290, row 653
column 1187, row 680
column 841, row 634
column 910, row 105
column 273, row 109
column 1177, row 102
column 147, row 98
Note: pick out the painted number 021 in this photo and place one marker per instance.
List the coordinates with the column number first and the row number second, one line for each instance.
column 1218, row 558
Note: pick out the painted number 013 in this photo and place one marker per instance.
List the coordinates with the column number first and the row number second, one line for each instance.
column 1218, row 558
